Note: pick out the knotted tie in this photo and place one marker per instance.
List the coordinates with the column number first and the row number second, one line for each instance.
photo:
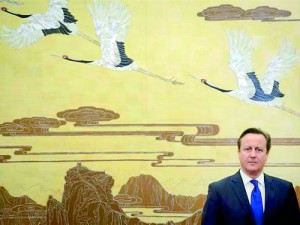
column 256, row 203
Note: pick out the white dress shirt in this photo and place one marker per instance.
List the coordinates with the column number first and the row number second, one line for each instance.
column 249, row 186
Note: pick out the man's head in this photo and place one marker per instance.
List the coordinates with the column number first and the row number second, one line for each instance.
column 253, row 151
column 256, row 131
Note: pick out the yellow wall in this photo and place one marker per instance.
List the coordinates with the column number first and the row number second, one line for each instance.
column 165, row 37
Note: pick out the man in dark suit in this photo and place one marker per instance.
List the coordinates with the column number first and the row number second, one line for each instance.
column 251, row 197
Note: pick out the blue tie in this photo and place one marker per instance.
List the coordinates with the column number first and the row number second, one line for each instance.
column 256, row 203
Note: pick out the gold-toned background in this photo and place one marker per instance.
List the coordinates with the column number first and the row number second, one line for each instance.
column 165, row 37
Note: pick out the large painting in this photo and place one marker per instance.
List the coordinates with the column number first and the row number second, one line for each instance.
column 123, row 111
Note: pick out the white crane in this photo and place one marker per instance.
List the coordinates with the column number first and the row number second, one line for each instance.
column 250, row 89
column 111, row 20
column 57, row 20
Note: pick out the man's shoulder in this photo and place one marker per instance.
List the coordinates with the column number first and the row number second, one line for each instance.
column 226, row 180
column 277, row 180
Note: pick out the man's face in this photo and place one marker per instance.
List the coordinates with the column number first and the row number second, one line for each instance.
column 253, row 154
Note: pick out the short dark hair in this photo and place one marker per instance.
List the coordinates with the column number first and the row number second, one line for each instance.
column 254, row 130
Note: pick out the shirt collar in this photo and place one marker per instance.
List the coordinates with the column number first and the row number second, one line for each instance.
column 246, row 179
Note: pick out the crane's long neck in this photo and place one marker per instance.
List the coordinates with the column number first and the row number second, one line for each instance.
column 16, row 14
column 79, row 61
column 217, row 88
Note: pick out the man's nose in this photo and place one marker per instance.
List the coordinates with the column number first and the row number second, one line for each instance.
column 253, row 153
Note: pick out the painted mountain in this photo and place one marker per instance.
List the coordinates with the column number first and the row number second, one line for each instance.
column 146, row 191
column 87, row 199
column 20, row 210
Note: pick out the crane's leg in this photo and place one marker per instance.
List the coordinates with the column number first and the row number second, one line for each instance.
column 171, row 80
column 288, row 110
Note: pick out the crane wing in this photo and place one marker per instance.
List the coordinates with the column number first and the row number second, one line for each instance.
column 240, row 59
column 59, row 10
column 55, row 20
column 111, row 20
column 60, row 3
column 280, row 66
column 23, row 36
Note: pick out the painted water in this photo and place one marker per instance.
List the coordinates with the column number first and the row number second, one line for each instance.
column 155, row 215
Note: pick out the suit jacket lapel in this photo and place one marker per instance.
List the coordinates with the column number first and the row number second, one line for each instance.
column 239, row 189
column 269, row 193
column 240, row 192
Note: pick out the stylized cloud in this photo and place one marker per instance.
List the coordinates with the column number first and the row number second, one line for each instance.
column 34, row 125
column 40, row 122
column 230, row 12
column 265, row 13
column 26, row 208
column 127, row 200
column 222, row 12
column 4, row 158
column 88, row 115
column 11, row 2
column 12, row 129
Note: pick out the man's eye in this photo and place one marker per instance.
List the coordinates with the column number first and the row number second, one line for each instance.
column 259, row 150
column 247, row 149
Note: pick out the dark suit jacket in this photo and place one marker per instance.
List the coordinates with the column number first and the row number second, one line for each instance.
column 227, row 203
